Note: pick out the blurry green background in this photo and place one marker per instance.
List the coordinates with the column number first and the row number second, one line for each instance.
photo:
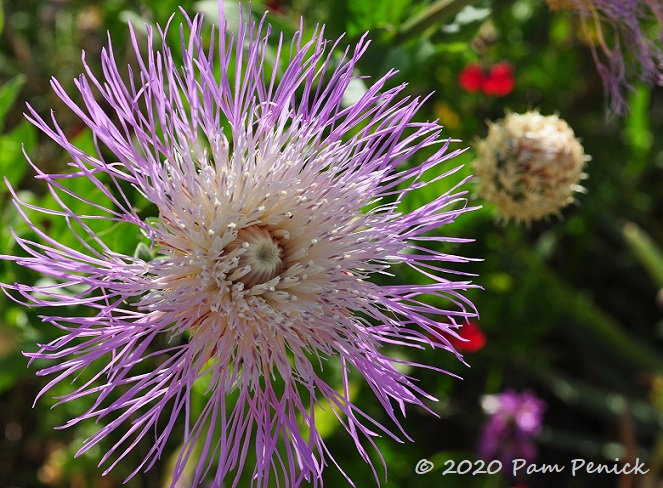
column 571, row 307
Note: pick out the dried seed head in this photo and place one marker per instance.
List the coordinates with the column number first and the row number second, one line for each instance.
column 529, row 165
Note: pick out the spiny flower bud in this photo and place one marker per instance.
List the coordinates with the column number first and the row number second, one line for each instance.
column 529, row 165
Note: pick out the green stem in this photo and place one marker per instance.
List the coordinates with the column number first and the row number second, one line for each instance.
column 646, row 250
column 436, row 13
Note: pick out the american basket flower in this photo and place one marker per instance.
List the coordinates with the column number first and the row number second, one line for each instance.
column 275, row 205
column 626, row 38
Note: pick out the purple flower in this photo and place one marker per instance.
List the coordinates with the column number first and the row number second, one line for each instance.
column 514, row 424
column 621, row 46
column 276, row 205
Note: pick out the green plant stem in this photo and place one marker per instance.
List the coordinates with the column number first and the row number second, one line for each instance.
column 645, row 250
column 436, row 13
column 592, row 318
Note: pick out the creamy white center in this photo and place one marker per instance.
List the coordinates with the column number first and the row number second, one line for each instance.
column 262, row 255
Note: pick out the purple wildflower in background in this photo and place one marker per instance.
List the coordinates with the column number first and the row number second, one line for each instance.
column 621, row 44
column 266, row 238
column 513, row 425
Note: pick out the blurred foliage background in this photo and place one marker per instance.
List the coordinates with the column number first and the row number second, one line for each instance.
column 571, row 306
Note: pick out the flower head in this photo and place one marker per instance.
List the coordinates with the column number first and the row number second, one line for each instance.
column 513, row 425
column 274, row 207
column 529, row 165
column 472, row 78
column 498, row 81
column 467, row 339
column 622, row 48
column 471, row 340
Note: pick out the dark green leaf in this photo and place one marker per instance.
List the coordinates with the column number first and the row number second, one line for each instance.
column 8, row 94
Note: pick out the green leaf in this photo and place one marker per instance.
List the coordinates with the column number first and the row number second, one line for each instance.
column 436, row 13
column 231, row 12
column 8, row 94
column 355, row 17
column 2, row 18
column 98, row 222
column 646, row 251
column 11, row 220
column 13, row 164
column 143, row 252
column 637, row 132
column 84, row 141
column 608, row 334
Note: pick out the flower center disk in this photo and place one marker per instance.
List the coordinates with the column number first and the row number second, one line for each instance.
column 262, row 256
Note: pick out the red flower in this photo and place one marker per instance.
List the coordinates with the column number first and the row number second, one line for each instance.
column 498, row 82
column 472, row 78
column 474, row 337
